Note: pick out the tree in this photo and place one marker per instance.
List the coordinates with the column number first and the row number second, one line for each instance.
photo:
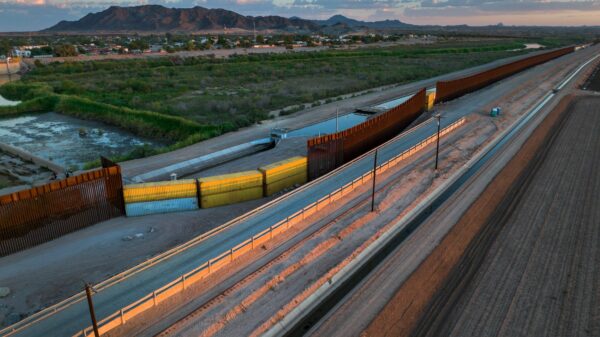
column 138, row 44
column 65, row 50
column 4, row 47
column 190, row 45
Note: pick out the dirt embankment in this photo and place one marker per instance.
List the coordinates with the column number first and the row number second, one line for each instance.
column 421, row 296
column 538, row 276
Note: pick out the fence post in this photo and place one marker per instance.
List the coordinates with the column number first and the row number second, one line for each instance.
column 122, row 317
column 183, row 281
column 154, row 297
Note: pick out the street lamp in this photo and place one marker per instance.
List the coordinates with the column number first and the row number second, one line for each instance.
column 438, row 118
column 374, row 176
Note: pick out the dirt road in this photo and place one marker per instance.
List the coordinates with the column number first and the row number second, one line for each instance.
column 541, row 276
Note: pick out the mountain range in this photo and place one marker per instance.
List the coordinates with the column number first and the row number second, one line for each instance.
column 342, row 20
column 156, row 18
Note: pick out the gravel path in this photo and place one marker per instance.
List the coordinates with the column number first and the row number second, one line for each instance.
column 541, row 277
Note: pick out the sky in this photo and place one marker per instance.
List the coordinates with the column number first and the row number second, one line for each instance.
column 32, row 15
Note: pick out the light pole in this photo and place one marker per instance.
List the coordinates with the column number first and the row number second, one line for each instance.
column 336, row 119
column 438, row 118
column 88, row 293
column 374, row 176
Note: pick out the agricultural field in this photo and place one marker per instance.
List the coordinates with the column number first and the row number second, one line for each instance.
column 185, row 100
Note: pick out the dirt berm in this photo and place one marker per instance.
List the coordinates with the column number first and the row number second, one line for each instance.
column 422, row 299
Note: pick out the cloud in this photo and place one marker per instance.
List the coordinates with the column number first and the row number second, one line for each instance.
column 24, row 15
column 509, row 5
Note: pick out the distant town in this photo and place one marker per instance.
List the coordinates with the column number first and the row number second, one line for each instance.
column 42, row 47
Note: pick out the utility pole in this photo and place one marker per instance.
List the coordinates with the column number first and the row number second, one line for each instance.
column 374, row 176
column 438, row 118
column 88, row 293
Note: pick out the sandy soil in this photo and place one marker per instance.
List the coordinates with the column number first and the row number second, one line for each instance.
column 541, row 275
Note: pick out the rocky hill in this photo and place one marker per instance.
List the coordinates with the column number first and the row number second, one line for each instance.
column 157, row 18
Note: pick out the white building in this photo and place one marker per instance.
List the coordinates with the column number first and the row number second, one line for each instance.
column 21, row 53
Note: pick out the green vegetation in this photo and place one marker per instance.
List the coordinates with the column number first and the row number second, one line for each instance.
column 185, row 100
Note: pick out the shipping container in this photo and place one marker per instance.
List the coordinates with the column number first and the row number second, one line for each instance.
column 230, row 188
column 161, row 206
column 160, row 191
column 231, row 197
column 430, row 101
column 284, row 174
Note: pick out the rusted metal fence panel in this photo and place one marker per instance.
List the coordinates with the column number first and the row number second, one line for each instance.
column 326, row 153
column 448, row 90
column 43, row 213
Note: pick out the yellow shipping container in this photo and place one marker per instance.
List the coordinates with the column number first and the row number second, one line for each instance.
column 230, row 188
column 160, row 191
column 430, row 100
column 284, row 174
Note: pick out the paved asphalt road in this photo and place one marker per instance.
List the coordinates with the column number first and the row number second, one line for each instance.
column 74, row 318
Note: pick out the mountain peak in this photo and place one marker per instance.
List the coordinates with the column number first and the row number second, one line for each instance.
column 158, row 18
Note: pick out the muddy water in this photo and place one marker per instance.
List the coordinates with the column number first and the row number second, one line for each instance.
column 68, row 141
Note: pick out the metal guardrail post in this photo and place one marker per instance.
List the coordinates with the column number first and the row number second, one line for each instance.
column 88, row 293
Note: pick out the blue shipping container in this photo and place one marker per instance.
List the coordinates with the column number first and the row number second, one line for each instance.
column 161, row 206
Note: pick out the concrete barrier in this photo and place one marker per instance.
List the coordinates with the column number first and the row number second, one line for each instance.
column 203, row 162
column 25, row 155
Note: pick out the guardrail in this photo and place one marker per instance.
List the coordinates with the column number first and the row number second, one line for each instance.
column 179, row 284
